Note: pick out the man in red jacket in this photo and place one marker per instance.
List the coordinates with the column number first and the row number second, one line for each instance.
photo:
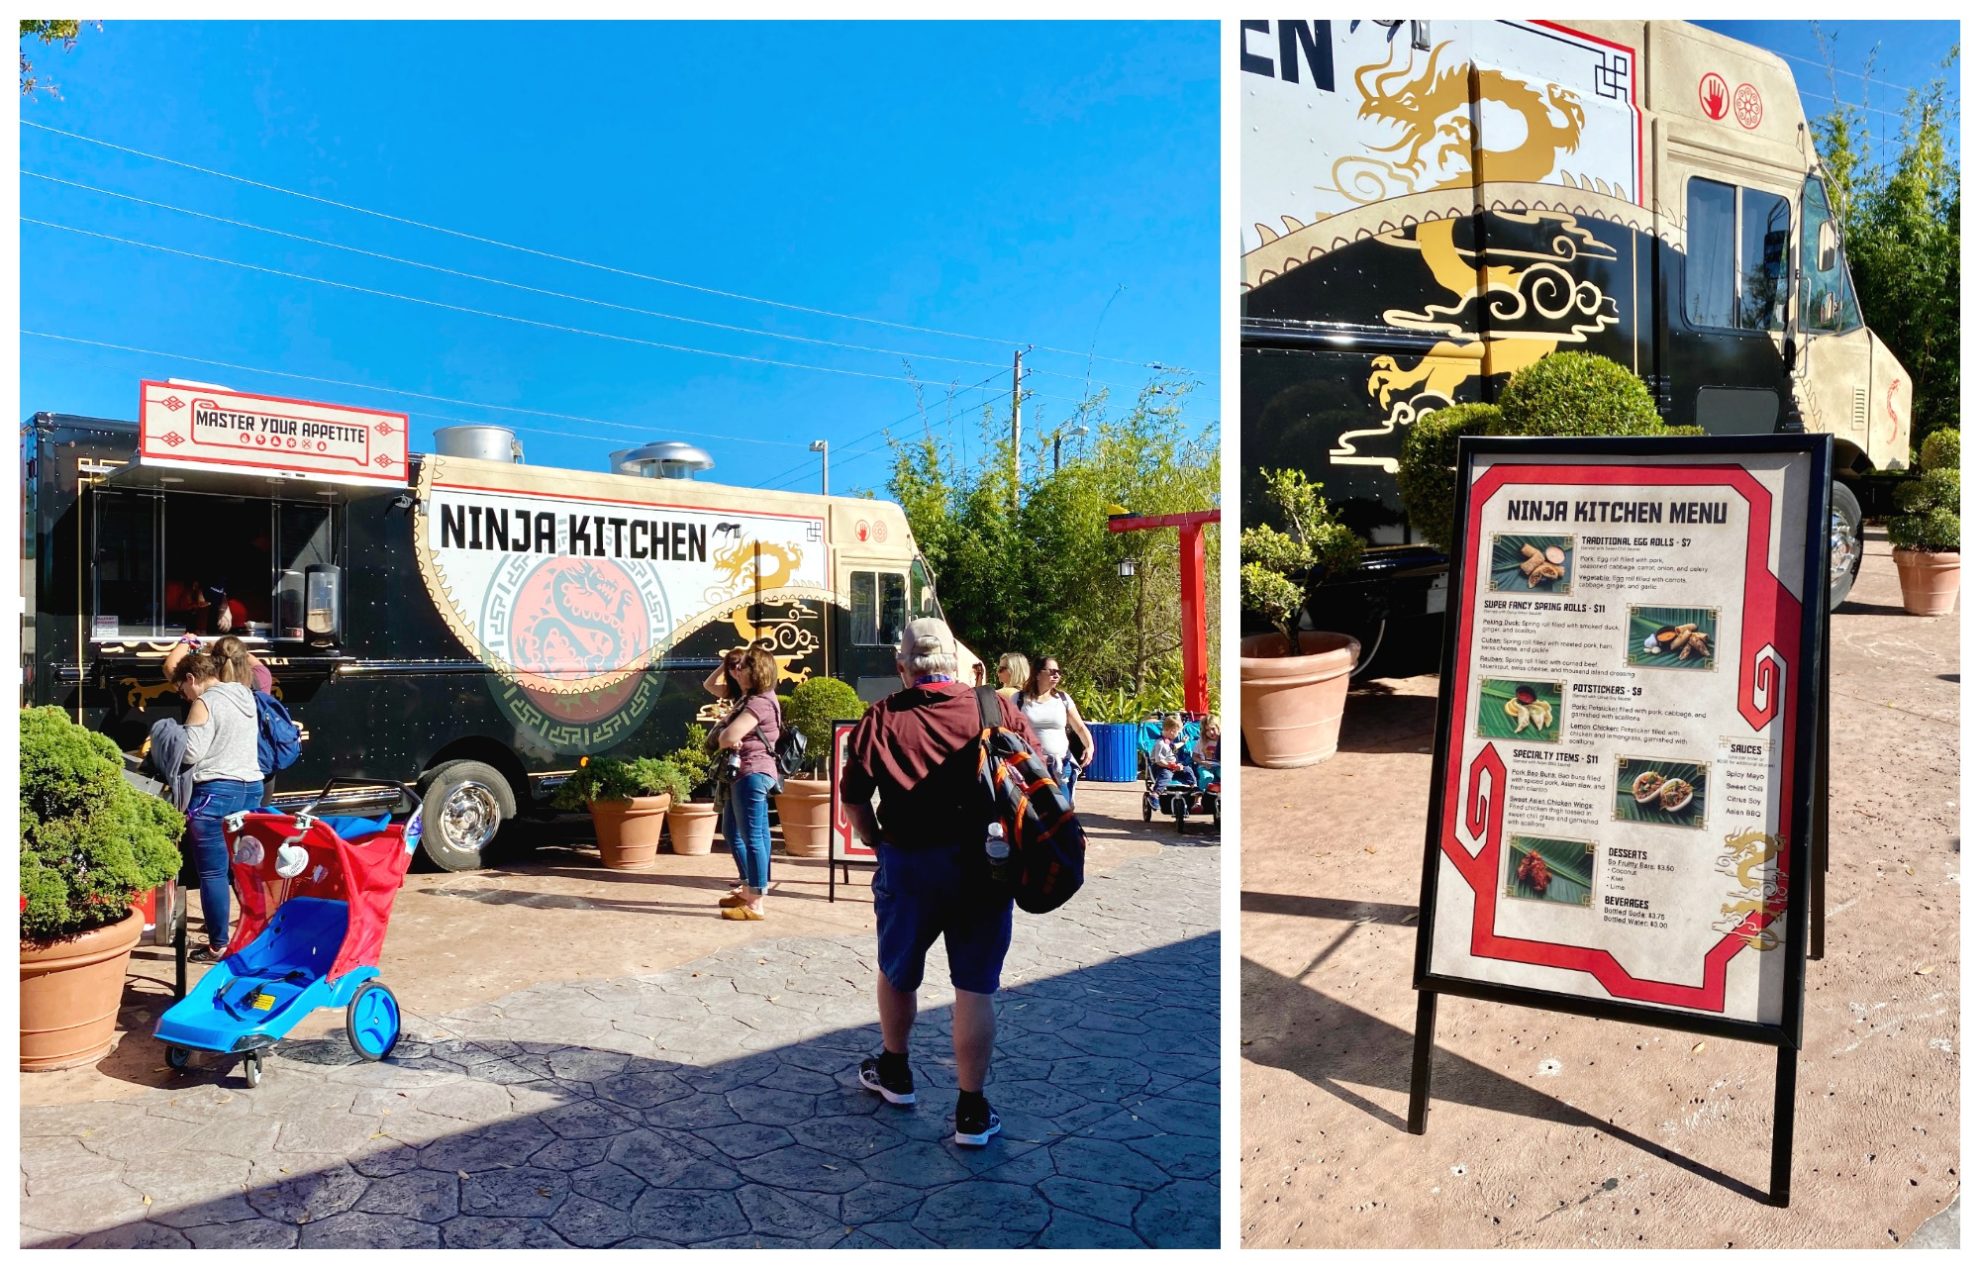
column 918, row 750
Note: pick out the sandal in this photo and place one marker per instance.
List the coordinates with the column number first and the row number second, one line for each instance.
column 744, row 913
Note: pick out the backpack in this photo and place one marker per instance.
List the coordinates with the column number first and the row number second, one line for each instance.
column 278, row 742
column 1048, row 846
column 788, row 752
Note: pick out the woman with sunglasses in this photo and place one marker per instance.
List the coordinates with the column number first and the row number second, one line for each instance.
column 1056, row 719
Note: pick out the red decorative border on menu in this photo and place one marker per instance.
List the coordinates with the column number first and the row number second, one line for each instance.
column 1770, row 637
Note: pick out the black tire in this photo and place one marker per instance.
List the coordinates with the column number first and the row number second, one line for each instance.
column 1147, row 809
column 372, row 1021
column 177, row 1058
column 1845, row 542
column 466, row 804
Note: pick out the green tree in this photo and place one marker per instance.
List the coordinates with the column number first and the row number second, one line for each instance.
column 1900, row 223
column 47, row 31
column 1043, row 578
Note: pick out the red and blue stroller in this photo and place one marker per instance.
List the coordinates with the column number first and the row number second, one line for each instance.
column 315, row 896
column 1196, row 788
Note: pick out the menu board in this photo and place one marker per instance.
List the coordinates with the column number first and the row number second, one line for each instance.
column 1621, row 805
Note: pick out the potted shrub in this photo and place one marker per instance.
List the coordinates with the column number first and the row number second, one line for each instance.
column 691, row 818
column 1292, row 684
column 91, row 843
column 804, row 808
column 1925, row 538
column 628, row 800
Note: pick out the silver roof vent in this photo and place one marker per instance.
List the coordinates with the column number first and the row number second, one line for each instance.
column 670, row 460
column 479, row 440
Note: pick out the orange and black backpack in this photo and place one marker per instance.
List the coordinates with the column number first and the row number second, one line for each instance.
column 1048, row 846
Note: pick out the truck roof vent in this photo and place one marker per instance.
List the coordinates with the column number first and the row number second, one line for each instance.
column 668, row 460
column 481, row 440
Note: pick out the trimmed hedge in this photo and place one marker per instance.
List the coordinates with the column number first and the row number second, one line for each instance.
column 1940, row 450
column 1577, row 394
column 91, row 843
column 1931, row 512
column 1427, row 474
column 812, row 707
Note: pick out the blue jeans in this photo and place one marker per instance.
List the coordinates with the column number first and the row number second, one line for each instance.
column 746, row 823
column 1065, row 773
column 212, row 802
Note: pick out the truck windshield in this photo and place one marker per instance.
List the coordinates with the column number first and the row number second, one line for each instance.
column 921, row 590
column 1828, row 301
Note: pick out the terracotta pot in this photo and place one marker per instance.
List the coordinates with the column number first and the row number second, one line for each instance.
column 805, row 810
column 71, row 989
column 1291, row 705
column 629, row 831
column 691, row 828
column 1929, row 580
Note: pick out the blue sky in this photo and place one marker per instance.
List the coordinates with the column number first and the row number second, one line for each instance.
column 1907, row 55
column 999, row 180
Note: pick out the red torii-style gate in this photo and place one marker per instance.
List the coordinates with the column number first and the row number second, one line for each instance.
column 1195, row 634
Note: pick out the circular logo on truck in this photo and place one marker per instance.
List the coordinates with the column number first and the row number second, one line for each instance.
column 1746, row 106
column 1713, row 96
column 569, row 625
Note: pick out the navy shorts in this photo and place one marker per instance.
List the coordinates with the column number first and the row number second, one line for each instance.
column 927, row 892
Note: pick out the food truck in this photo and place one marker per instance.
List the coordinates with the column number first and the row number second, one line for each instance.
column 460, row 619
column 1429, row 206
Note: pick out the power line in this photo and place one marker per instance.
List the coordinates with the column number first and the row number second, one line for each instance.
column 785, row 476
column 477, row 312
column 1809, row 61
column 534, row 290
column 561, row 259
column 402, row 392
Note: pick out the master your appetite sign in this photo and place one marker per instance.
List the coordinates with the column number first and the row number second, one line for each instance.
column 1628, row 721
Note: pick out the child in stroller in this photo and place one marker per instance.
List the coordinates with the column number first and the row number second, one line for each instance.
column 1170, row 783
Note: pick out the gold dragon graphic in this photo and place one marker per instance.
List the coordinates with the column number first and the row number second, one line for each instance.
column 1535, row 302
column 741, row 568
column 1746, row 855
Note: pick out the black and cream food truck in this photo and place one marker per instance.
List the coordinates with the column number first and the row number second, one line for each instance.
column 458, row 620
column 1429, row 206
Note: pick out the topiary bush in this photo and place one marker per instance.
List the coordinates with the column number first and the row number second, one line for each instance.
column 1427, row 473
column 694, row 762
column 1272, row 578
column 812, row 707
column 91, row 843
column 1931, row 512
column 1577, row 394
column 1940, row 450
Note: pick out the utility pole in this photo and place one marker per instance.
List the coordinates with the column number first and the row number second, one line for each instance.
column 823, row 450
column 1017, row 422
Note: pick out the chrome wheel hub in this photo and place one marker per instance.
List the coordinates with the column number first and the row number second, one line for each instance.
column 469, row 817
column 1845, row 545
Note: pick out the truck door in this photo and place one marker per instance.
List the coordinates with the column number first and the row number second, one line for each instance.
column 1725, row 298
column 1833, row 369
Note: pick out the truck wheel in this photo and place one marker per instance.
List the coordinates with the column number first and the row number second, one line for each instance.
column 1845, row 543
column 465, row 804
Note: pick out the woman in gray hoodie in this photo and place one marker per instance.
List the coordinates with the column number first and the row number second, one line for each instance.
column 222, row 735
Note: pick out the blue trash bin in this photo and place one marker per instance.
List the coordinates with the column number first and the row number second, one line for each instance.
column 1113, row 753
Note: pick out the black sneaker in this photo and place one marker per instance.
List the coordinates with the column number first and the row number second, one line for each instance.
column 975, row 1127
column 207, row 955
column 898, row 1089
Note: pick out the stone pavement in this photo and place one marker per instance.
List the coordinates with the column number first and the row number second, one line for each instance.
column 713, row 1104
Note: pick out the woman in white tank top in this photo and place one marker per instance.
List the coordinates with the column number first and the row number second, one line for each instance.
column 1056, row 719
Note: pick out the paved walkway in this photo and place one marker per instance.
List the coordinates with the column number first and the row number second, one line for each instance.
column 713, row 1104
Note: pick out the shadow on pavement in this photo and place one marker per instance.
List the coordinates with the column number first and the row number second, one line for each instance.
column 1386, row 721
column 1106, row 1078
column 1333, row 1045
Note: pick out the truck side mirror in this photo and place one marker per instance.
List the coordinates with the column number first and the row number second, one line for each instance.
column 1825, row 246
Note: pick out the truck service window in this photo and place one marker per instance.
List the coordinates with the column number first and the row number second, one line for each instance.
column 1828, row 300
column 879, row 608
column 164, row 561
column 1735, row 274
column 127, row 603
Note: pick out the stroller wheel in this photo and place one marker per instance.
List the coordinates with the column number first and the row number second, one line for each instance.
column 372, row 1021
column 251, row 1069
column 177, row 1058
column 1147, row 807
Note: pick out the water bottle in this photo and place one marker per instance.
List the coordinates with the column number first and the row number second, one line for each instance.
column 997, row 850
